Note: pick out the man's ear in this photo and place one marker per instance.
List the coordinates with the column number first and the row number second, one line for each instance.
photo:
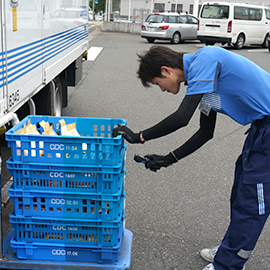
column 165, row 70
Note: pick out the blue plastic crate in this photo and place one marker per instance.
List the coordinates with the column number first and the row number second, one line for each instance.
column 54, row 204
column 95, row 146
column 70, row 232
column 63, row 252
column 78, row 179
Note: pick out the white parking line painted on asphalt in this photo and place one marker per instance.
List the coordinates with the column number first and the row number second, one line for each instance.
column 258, row 50
column 93, row 52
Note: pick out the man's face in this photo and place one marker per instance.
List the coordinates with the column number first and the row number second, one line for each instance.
column 171, row 80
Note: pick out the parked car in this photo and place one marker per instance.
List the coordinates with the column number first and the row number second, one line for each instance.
column 99, row 17
column 169, row 26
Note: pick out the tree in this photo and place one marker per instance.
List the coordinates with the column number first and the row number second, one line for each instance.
column 99, row 7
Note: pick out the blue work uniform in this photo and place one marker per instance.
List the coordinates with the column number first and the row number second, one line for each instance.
column 237, row 87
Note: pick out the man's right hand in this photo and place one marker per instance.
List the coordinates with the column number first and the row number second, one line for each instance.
column 127, row 133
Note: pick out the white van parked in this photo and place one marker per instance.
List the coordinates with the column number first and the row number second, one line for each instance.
column 234, row 23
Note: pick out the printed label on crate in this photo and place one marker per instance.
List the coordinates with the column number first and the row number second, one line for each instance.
column 63, row 252
column 59, row 252
column 64, row 228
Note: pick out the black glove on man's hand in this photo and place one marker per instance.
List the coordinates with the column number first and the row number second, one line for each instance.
column 127, row 133
column 156, row 162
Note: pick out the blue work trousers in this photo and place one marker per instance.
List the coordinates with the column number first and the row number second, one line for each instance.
column 250, row 199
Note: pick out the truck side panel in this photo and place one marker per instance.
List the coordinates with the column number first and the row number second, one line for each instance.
column 66, row 36
column 59, row 49
column 24, row 50
column 2, row 63
column 42, row 37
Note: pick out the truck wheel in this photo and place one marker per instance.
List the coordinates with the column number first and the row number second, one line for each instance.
column 57, row 98
column 240, row 42
column 23, row 111
column 49, row 100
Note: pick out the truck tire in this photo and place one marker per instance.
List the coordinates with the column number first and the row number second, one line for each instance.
column 49, row 100
column 23, row 111
column 57, row 100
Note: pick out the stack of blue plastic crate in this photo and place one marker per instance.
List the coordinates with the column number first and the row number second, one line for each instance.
column 68, row 192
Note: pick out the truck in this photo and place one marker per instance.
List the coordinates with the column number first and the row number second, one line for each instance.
column 41, row 52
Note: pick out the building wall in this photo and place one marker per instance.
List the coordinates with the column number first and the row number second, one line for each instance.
column 127, row 7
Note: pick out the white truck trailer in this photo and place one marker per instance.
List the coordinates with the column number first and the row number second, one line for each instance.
column 42, row 43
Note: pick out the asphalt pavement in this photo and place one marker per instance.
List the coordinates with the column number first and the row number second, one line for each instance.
column 177, row 211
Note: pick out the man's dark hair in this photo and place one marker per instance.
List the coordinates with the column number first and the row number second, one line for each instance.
column 152, row 61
